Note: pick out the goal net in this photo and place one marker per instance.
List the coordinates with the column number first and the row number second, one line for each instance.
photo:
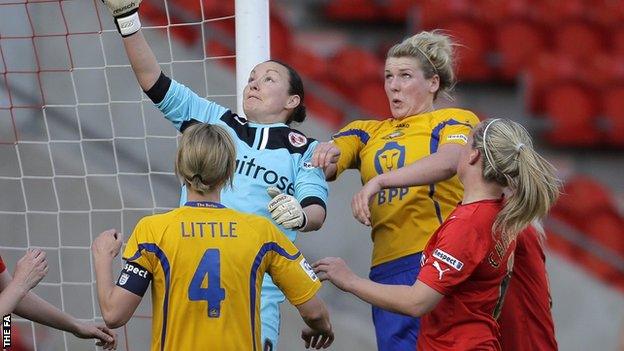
column 81, row 147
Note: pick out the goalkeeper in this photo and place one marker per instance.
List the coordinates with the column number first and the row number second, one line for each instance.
column 273, row 176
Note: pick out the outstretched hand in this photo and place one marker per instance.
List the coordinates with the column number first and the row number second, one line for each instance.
column 336, row 271
column 106, row 337
column 325, row 154
column 30, row 269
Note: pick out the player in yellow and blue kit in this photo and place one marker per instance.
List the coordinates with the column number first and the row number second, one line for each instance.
column 422, row 145
column 206, row 262
column 269, row 153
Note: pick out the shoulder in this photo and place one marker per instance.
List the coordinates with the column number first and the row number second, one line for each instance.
column 453, row 116
column 362, row 129
column 290, row 139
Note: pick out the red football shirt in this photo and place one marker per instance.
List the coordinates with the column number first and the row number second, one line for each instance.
column 2, row 266
column 470, row 266
column 526, row 321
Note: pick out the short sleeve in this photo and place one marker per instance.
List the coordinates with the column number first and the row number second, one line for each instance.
column 350, row 140
column 310, row 184
column 289, row 269
column 135, row 247
column 453, row 257
column 2, row 265
column 457, row 129
column 182, row 105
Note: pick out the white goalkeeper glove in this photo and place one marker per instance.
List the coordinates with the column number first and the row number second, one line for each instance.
column 286, row 210
column 126, row 15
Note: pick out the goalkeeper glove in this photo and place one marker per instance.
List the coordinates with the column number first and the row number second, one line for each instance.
column 286, row 210
column 126, row 15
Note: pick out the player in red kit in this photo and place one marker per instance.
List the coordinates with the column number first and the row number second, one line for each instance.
column 467, row 263
column 526, row 321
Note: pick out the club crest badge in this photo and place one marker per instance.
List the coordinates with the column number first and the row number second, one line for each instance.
column 297, row 140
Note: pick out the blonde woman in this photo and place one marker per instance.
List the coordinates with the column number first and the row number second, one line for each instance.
column 467, row 264
column 418, row 140
column 206, row 262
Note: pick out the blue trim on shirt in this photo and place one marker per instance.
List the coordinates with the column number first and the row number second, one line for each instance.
column 267, row 247
column 164, row 262
column 433, row 148
column 363, row 135
column 208, row 204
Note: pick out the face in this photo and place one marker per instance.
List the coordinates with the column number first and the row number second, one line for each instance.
column 409, row 92
column 265, row 97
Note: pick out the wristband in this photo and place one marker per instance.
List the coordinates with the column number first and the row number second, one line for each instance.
column 129, row 24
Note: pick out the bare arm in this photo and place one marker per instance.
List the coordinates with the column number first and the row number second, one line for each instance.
column 315, row 215
column 414, row 300
column 144, row 64
column 315, row 315
column 117, row 304
column 437, row 167
column 11, row 294
column 29, row 271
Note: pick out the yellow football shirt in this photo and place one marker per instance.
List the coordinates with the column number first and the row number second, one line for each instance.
column 207, row 264
column 403, row 219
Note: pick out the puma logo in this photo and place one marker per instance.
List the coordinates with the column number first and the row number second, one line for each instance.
column 441, row 271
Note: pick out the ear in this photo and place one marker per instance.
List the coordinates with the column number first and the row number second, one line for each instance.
column 434, row 83
column 293, row 101
column 474, row 157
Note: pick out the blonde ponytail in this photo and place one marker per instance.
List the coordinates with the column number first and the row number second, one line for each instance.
column 206, row 158
column 511, row 161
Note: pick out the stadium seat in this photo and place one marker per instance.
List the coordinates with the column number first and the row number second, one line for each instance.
column 431, row 13
column 473, row 50
column 517, row 42
column 333, row 116
column 496, row 12
column 372, row 98
column 281, row 38
column 353, row 10
column 607, row 229
column 398, row 10
column 617, row 35
column 307, row 63
column 369, row 67
column 545, row 70
column 578, row 39
column 571, row 108
column 581, row 196
column 556, row 12
column 613, row 111
column 606, row 13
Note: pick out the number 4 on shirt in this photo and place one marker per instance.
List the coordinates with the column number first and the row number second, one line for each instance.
column 209, row 265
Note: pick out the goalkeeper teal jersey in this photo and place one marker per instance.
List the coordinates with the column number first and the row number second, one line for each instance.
column 267, row 155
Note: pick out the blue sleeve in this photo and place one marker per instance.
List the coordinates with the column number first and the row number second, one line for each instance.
column 310, row 183
column 181, row 104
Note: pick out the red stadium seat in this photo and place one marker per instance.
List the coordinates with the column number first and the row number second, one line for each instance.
column 333, row 116
column 473, row 50
column 497, row 12
column 607, row 229
column 372, row 98
column 546, row 70
column 307, row 63
column 515, row 57
column 582, row 196
column 613, row 110
column 431, row 14
column 369, row 67
column 353, row 10
column 281, row 38
column 571, row 108
column 580, row 40
column 606, row 13
column 398, row 10
column 556, row 12
column 617, row 40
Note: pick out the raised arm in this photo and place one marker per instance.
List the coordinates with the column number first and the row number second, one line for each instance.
column 142, row 59
column 29, row 271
